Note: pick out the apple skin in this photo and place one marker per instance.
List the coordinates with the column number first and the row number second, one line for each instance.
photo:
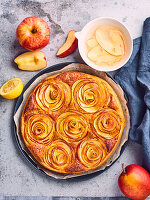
column 33, row 33
column 135, row 182
column 69, row 46
column 31, row 61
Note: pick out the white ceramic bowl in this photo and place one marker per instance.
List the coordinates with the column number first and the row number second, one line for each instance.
column 88, row 31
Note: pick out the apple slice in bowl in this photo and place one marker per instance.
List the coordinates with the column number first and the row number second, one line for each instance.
column 111, row 41
column 91, row 43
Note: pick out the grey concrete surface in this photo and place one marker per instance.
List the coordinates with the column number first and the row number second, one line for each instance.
column 17, row 176
column 61, row 198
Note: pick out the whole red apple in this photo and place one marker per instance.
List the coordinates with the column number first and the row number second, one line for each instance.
column 33, row 33
column 134, row 182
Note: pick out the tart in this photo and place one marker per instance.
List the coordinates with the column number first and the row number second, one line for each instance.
column 72, row 122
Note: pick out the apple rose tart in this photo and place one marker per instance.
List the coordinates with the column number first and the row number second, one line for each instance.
column 72, row 122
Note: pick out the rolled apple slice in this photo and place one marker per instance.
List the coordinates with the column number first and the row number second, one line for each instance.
column 38, row 127
column 90, row 95
column 31, row 61
column 91, row 152
column 107, row 123
column 58, row 156
column 110, row 40
column 69, row 46
column 72, row 126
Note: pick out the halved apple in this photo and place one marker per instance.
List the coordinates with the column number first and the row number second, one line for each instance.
column 111, row 41
column 69, row 46
column 31, row 61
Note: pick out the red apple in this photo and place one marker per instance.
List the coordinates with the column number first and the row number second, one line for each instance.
column 69, row 46
column 134, row 182
column 33, row 33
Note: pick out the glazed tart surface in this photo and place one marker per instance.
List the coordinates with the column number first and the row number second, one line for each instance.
column 72, row 122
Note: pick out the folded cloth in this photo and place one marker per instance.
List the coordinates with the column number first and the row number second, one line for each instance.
column 134, row 78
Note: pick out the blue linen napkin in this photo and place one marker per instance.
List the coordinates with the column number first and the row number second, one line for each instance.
column 134, row 78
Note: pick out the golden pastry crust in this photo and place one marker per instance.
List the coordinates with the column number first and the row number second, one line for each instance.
column 72, row 122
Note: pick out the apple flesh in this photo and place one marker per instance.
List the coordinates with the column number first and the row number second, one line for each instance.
column 108, row 59
column 134, row 182
column 33, row 33
column 69, row 46
column 92, row 43
column 95, row 53
column 31, row 61
column 99, row 55
column 111, row 41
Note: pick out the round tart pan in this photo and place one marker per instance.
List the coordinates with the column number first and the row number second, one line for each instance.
column 19, row 101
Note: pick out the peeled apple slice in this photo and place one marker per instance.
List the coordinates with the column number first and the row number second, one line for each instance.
column 108, row 59
column 94, row 53
column 92, row 43
column 118, row 41
column 112, row 44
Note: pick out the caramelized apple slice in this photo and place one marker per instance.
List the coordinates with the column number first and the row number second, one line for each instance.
column 110, row 41
column 69, row 46
column 92, row 43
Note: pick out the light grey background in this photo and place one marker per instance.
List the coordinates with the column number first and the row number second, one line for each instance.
column 17, row 176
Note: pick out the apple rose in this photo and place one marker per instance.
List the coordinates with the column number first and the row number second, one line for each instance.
column 57, row 156
column 107, row 123
column 72, row 126
column 38, row 128
column 53, row 95
column 91, row 152
column 89, row 95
